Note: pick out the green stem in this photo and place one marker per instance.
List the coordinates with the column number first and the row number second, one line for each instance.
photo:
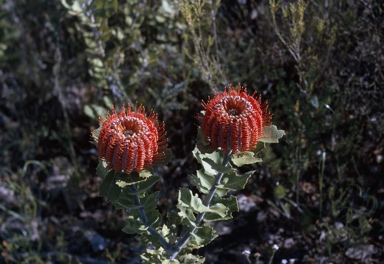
column 144, row 219
column 200, row 217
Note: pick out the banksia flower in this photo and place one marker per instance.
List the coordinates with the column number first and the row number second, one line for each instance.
column 234, row 120
column 130, row 141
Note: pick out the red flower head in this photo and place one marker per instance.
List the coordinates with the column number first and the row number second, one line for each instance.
column 130, row 141
column 234, row 120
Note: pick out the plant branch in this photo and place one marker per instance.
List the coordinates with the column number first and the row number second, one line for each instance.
column 200, row 217
column 144, row 219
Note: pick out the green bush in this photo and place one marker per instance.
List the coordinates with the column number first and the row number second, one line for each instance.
column 320, row 65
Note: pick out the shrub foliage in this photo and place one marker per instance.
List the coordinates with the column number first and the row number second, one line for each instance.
column 318, row 195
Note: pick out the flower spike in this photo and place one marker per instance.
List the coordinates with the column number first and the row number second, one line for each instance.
column 234, row 120
column 130, row 141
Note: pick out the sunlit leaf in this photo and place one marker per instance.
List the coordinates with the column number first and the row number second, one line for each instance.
column 188, row 200
column 245, row 158
column 95, row 134
column 157, row 255
column 232, row 181
column 186, row 212
column 203, row 236
column 143, row 185
column 171, row 261
column 165, row 231
column 187, row 216
column 191, row 258
column 75, row 7
column 271, row 134
column 124, row 179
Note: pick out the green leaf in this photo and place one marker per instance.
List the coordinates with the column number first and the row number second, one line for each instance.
column 101, row 169
column 191, row 259
column 187, row 216
column 215, row 157
column 108, row 102
column 158, row 255
column 221, row 192
column 245, row 158
column 190, row 201
column 132, row 225
column 125, row 201
column 94, row 111
column 149, row 205
column 202, row 181
column 203, row 145
column 186, row 211
column 134, row 177
column 95, row 134
column 106, row 35
column 187, row 199
column 217, row 167
column 229, row 203
column 114, row 4
column 232, row 181
column 75, row 7
column 150, row 201
column 280, row 191
column 202, row 236
column 153, row 218
column 315, row 101
column 89, row 111
column 142, row 186
column 165, row 231
column 169, row 10
column 271, row 134
column 170, row 261
column 108, row 187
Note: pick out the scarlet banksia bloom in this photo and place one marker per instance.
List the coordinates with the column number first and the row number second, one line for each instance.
column 130, row 141
column 234, row 120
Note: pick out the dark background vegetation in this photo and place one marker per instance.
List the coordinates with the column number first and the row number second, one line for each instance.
column 318, row 195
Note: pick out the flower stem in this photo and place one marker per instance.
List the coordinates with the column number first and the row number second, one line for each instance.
column 200, row 217
column 144, row 219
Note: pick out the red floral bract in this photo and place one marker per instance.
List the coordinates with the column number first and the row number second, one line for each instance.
column 130, row 141
column 234, row 120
